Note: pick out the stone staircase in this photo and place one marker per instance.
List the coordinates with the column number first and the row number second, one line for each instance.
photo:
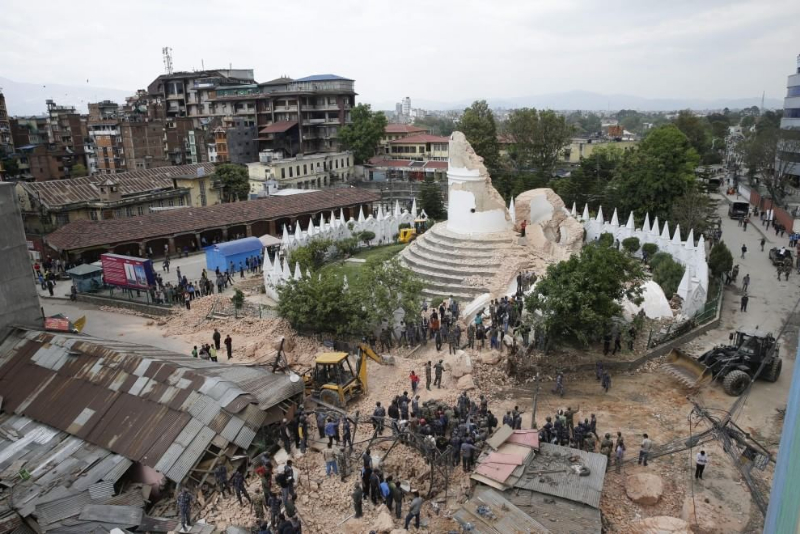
column 445, row 260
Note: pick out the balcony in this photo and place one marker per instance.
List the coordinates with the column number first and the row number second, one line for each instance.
column 313, row 122
column 285, row 108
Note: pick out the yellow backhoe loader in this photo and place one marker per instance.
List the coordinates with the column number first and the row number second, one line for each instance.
column 334, row 381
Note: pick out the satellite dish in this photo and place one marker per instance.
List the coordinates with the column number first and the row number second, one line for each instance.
column 294, row 377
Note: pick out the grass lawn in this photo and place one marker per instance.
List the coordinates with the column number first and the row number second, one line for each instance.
column 352, row 269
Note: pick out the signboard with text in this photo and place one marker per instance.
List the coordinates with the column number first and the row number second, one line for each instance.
column 127, row 271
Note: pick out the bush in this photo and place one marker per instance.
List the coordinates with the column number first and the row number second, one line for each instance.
column 631, row 244
column 313, row 255
column 650, row 249
column 347, row 246
column 366, row 236
column 404, row 225
column 667, row 273
column 606, row 240
column 720, row 260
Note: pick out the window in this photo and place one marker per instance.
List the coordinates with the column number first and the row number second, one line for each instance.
column 171, row 202
column 62, row 219
column 93, row 215
column 129, row 212
column 283, row 174
column 140, row 210
column 118, row 213
column 180, row 201
column 298, row 170
column 791, row 113
column 337, row 163
column 793, row 91
column 291, row 172
column 305, row 171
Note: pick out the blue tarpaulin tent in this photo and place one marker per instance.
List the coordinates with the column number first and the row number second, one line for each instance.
column 222, row 254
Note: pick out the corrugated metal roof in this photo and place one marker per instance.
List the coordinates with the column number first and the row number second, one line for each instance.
column 191, row 455
column 131, row 400
column 566, row 484
column 100, row 491
column 116, row 472
column 565, row 516
column 499, row 517
column 62, row 508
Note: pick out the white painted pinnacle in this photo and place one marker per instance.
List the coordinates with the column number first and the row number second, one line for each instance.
column 276, row 267
column 690, row 239
column 574, row 211
column 676, row 238
column 630, row 223
column 287, row 273
column 345, row 285
column 397, row 211
column 512, row 210
column 665, row 232
column 341, row 215
column 360, row 214
column 285, row 238
column 701, row 246
column 298, row 233
column 308, row 272
column 646, row 227
column 654, row 229
column 310, row 231
column 585, row 216
column 599, row 217
column 298, row 274
column 267, row 261
column 614, row 218
column 414, row 208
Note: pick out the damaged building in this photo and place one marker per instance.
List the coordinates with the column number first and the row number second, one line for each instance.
column 93, row 430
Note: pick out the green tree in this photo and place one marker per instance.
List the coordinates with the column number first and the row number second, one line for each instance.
column 630, row 244
column 78, row 170
column 384, row 287
column 430, row 199
column 366, row 236
column 10, row 167
column 234, row 180
column 538, row 137
column 630, row 120
column 696, row 129
column 650, row 178
column 577, row 298
column 478, row 126
column 650, row 249
column 720, row 259
column 694, row 210
column 312, row 255
column 321, row 304
column 238, row 300
column 667, row 273
column 363, row 133
column 587, row 183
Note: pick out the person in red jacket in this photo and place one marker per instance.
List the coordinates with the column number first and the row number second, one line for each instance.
column 414, row 381
column 522, row 227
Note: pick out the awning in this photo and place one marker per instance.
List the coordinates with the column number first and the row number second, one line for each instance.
column 278, row 127
column 269, row 241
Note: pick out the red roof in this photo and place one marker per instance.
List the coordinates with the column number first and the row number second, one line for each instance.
column 409, row 163
column 421, row 138
column 278, row 127
column 87, row 234
column 403, row 128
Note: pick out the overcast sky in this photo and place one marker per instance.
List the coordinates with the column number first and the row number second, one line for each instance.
column 434, row 49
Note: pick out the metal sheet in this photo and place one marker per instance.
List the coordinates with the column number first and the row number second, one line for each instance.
column 62, row 508
column 116, row 472
column 232, row 429
column 508, row 519
column 123, row 516
column 101, row 491
column 245, row 437
column 190, row 456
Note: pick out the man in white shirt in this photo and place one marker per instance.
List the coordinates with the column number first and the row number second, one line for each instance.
column 702, row 461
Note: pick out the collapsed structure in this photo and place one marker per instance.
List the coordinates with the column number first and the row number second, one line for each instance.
column 155, row 417
column 477, row 252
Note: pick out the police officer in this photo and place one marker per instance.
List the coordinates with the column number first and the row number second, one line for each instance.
column 221, row 474
column 237, row 481
column 184, row 502
column 358, row 500
column 428, row 375
column 438, row 370
column 606, row 446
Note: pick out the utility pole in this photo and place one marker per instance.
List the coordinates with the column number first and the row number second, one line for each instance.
column 535, row 395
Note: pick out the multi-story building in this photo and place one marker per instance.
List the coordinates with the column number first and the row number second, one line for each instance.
column 29, row 130
column 103, row 111
column 407, row 106
column 143, row 144
column 65, row 127
column 190, row 94
column 310, row 171
column 234, row 141
column 301, row 116
column 420, row 147
column 788, row 160
column 397, row 131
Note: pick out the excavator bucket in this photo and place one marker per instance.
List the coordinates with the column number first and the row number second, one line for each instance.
column 686, row 369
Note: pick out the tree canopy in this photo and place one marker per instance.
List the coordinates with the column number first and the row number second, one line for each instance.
column 382, row 287
column 587, row 183
column 652, row 177
column 443, row 126
column 537, row 138
column 577, row 298
column 363, row 133
column 430, row 199
column 478, row 126
column 693, row 210
column 234, row 180
column 78, row 170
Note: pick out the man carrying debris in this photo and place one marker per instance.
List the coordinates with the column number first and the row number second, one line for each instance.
column 184, row 502
column 439, row 369
column 221, row 475
column 237, row 481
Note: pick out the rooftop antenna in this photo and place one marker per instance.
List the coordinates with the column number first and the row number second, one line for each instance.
column 167, row 52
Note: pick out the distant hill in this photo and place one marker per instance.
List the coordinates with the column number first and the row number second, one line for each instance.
column 586, row 100
column 29, row 98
